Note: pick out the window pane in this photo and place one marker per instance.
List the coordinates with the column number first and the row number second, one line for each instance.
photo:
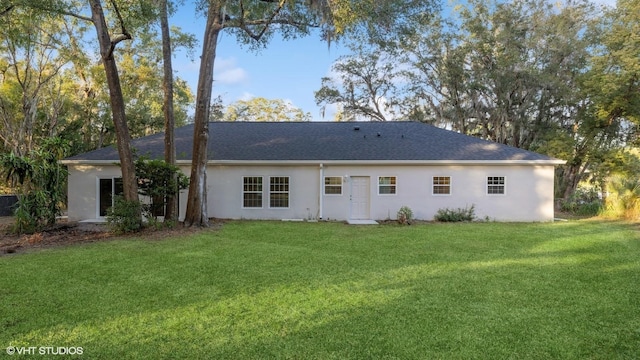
column 441, row 185
column 441, row 190
column 333, row 185
column 279, row 192
column 495, row 185
column 387, row 180
column 387, row 185
column 279, row 200
column 252, row 192
column 106, row 198
column 387, row 190
column 333, row 180
column 252, row 200
column 333, row 190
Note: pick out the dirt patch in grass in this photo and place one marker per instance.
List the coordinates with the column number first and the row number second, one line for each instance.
column 72, row 233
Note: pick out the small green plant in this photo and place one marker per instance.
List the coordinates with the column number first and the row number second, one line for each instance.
column 456, row 215
column 124, row 216
column 404, row 215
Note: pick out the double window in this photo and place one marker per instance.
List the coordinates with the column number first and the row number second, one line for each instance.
column 253, row 192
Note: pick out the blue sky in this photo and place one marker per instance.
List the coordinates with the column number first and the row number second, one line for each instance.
column 289, row 70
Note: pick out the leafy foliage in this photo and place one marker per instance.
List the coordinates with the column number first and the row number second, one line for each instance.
column 404, row 215
column 584, row 202
column 623, row 200
column 124, row 216
column 41, row 182
column 456, row 215
column 556, row 79
column 261, row 109
column 157, row 180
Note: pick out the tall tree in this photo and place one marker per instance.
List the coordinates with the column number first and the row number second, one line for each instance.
column 31, row 56
column 171, row 212
column 107, row 44
column 254, row 23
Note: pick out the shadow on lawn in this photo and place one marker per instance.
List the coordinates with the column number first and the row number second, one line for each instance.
column 391, row 297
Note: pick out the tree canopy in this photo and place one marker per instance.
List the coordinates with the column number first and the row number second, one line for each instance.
column 561, row 79
column 556, row 78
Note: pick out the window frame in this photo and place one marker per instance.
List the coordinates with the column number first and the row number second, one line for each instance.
column 287, row 192
column 338, row 185
column 113, row 193
column 261, row 192
column 392, row 185
column 503, row 185
column 434, row 185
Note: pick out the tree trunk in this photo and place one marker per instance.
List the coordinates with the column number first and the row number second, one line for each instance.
column 197, row 202
column 130, row 185
column 171, row 212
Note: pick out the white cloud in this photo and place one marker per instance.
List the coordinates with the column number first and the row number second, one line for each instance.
column 228, row 72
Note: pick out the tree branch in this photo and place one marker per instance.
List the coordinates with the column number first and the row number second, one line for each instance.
column 68, row 13
column 124, row 35
column 54, row 10
column 266, row 22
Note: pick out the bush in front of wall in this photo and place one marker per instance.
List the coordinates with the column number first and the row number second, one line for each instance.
column 404, row 215
column 456, row 215
column 124, row 216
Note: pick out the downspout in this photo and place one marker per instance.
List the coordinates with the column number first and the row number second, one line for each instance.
column 320, row 197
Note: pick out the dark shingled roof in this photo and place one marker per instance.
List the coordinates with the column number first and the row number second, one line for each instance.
column 326, row 141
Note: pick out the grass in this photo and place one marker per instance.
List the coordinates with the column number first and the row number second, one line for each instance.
column 261, row 290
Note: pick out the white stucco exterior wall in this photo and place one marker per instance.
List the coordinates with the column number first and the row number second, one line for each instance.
column 225, row 185
column 528, row 191
column 82, row 189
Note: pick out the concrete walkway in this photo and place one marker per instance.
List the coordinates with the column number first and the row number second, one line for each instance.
column 361, row 222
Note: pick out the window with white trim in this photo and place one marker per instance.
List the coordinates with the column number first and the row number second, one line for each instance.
column 387, row 185
column 495, row 185
column 441, row 185
column 279, row 192
column 333, row 185
column 252, row 191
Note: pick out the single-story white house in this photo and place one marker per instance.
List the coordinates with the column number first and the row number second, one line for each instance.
column 336, row 171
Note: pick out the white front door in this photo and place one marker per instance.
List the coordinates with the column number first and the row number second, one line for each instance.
column 360, row 197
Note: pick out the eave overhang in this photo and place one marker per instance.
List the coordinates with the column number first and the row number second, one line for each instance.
column 554, row 162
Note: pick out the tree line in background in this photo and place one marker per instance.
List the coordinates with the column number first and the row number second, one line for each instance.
column 562, row 79
column 98, row 72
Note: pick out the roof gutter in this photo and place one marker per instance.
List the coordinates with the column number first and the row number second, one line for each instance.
column 338, row 162
column 386, row 162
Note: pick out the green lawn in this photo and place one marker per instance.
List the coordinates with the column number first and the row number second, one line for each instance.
column 257, row 290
